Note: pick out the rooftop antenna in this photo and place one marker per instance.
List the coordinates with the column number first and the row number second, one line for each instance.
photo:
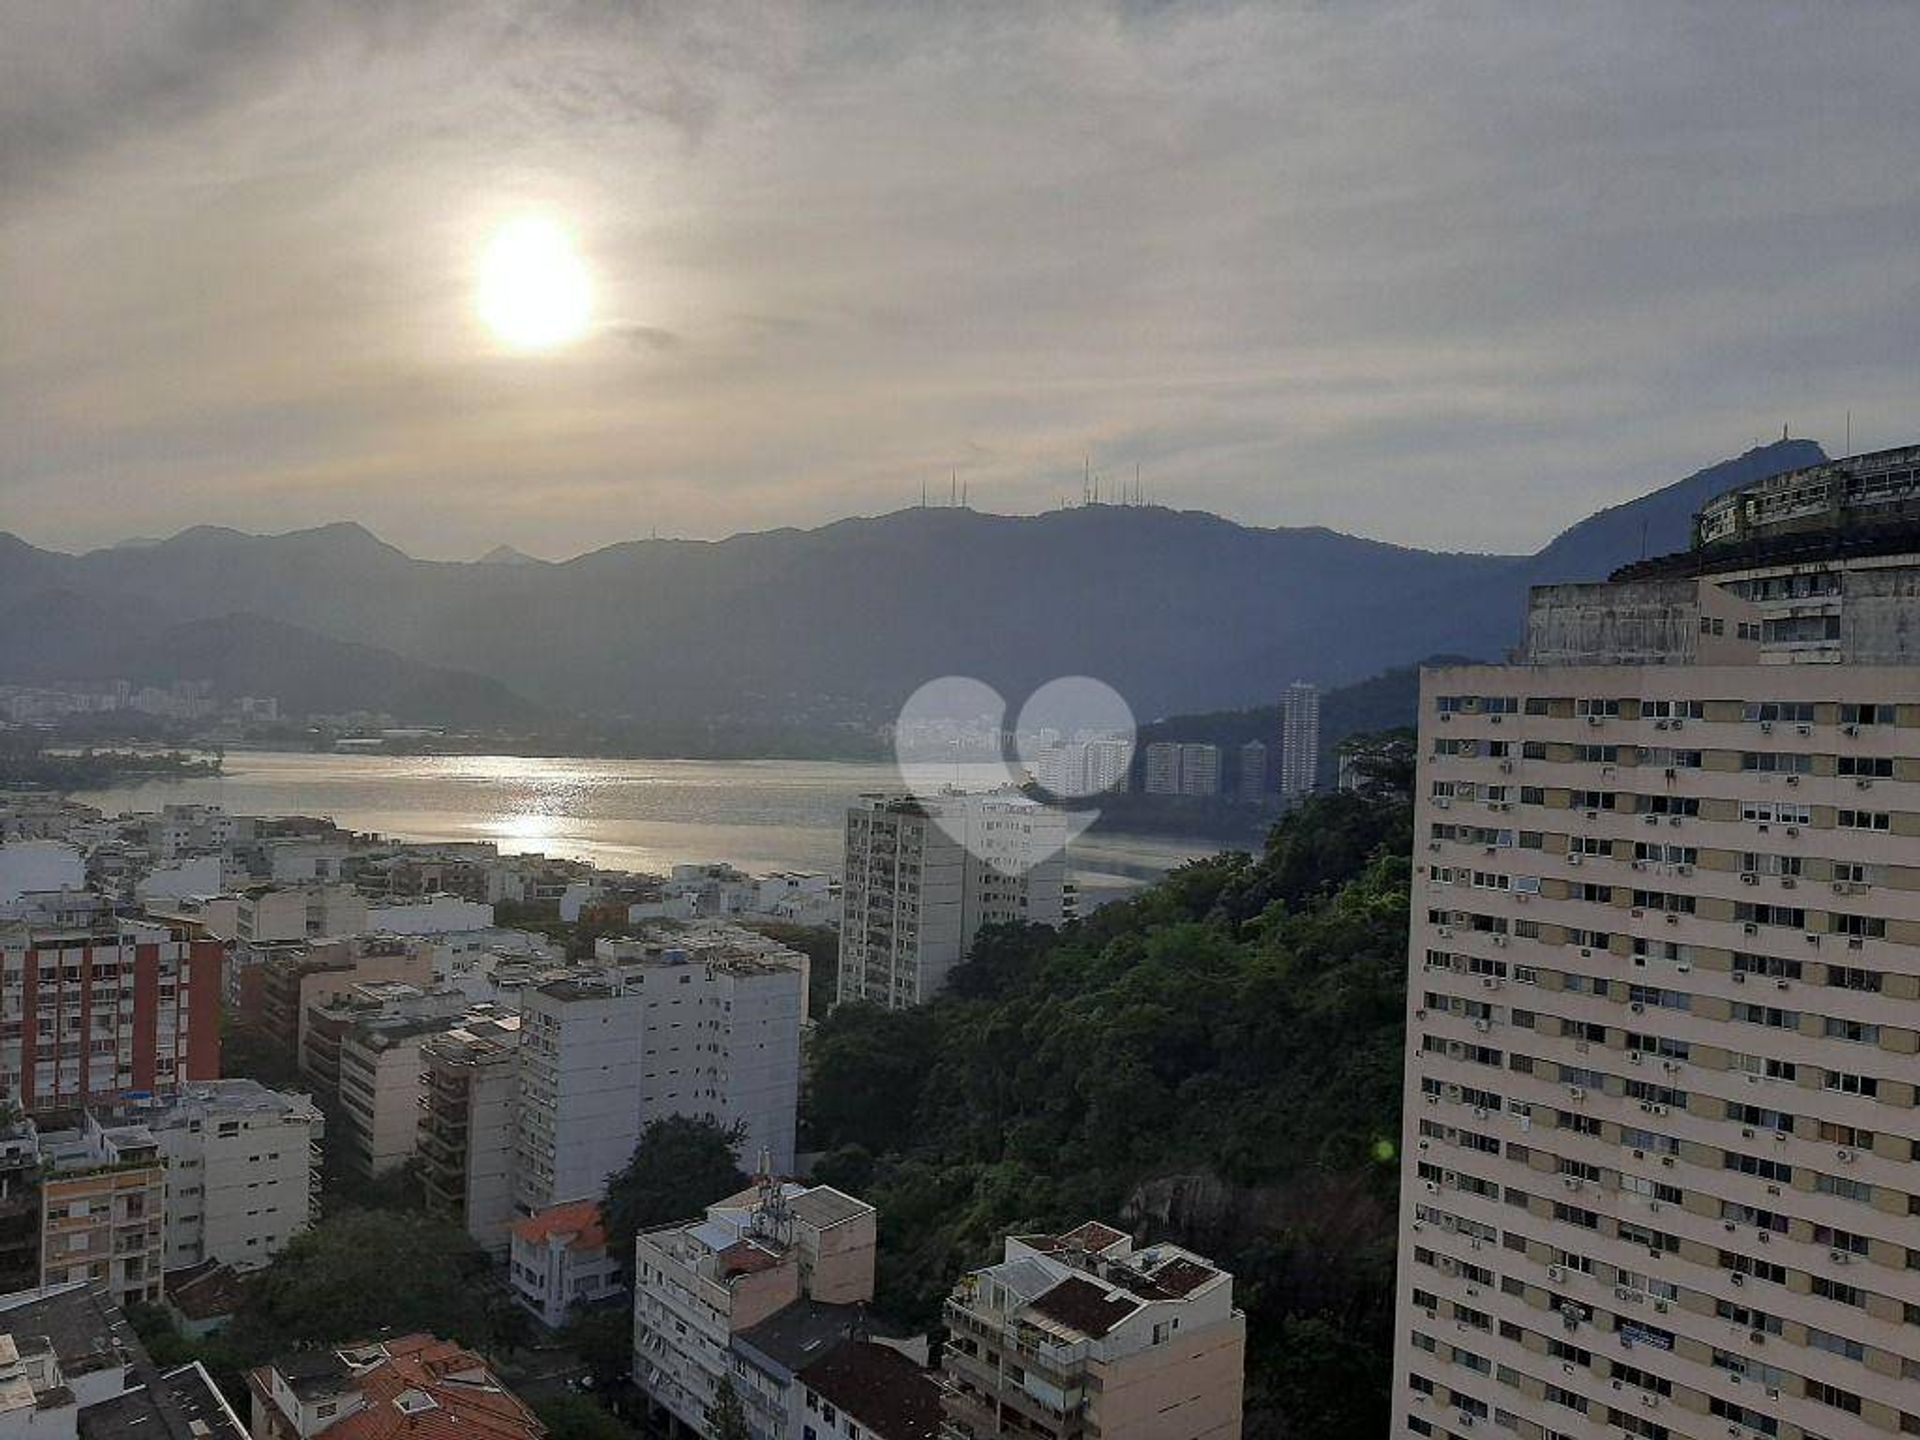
column 963, row 497
column 1849, row 432
column 953, row 487
column 923, row 492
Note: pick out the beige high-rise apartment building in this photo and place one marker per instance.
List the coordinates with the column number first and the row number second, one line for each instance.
column 1664, row 994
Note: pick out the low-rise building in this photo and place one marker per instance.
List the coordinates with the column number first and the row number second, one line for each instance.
column 61, row 1347
column 700, row 1284
column 428, row 915
column 412, row 1386
column 559, row 1260
column 1083, row 1334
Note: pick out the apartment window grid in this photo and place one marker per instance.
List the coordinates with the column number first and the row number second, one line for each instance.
column 1642, row 1194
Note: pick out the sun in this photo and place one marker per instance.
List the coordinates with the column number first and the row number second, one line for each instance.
column 533, row 291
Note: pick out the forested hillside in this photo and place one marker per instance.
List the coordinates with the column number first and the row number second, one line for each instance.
column 1216, row 1061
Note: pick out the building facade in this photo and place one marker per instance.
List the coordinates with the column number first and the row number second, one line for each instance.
column 1299, row 739
column 698, row 1285
column 90, row 1014
column 469, row 1085
column 1664, row 997
column 559, row 1261
column 1081, row 1334
column 103, row 1210
column 923, row 875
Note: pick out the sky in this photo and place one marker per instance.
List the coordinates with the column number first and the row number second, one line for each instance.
column 1444, row 274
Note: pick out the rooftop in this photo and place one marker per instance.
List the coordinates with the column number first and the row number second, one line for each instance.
column 421, row 1388
column 799, row 1334
column 879, row 1387
column 578, row 1223
column 178, row 1404
column 82, row 1326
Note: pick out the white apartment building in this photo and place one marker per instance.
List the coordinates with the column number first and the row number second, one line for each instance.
column 721, row 1013
column 699, row 1284
column 923, row 876
column 577, row 1119
column 703, row 1022
column 380, row 1086
column 1664, row 994
column 299, row 912
column 243, row 1171
column 1299, row 739
column 1161, row 773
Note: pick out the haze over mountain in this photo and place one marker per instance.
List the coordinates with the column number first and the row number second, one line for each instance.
column 1179, row 611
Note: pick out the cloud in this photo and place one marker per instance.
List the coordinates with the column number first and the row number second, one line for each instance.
column 1441, row 274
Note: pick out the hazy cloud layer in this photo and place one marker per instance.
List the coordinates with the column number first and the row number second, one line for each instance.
column 1444, row 274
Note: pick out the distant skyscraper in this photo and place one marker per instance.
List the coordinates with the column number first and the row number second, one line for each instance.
column 1163, row 768
column 922, row 877
column 1253, row 770
column 1199, row 769
column 1299, row 739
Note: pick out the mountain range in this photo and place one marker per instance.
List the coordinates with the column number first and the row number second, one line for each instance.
column 1178, row 610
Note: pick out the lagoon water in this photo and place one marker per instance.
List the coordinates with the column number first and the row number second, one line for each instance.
column 631, row 814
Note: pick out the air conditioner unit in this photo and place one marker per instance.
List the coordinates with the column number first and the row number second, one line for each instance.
column 1574, row 858
column 1684, row 966
column 1575, row 1092
column 1674, row 821
column 1863, row 783
column 1483, row 1025
column 1506, row 767
column 1793, row 831
column 1490, row 982
column 1803, row 729
column 1849, row 729
column 1660, row 1307
column 1500, row 940
column 1652, row 820
column 1673, row 773
column 1766, row 727
column 1593, row 719
column 1845, row 1157
column 1638, row 1007
column 1633, row 1057
column 1855, row 942
column 1737, row 1278
column 1441, row 802
column 1787, row 882
column 1748, row 926
column 1739, row 977
column 1667, row 1160
column 1659, row 724
column 1747, row 877
column 1554, row 1272
column 1678, row 724
column 1840, row 1257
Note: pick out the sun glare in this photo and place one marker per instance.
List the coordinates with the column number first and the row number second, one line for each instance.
column 533, row 291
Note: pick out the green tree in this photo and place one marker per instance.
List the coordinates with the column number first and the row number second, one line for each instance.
column 868, row 1067
column 575, row 1417
column 362, row 1272
column 681, row 1166
column 726, row 1417
column 603, row 1339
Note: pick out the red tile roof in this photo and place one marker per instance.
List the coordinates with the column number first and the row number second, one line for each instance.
column 579, row 1219
column 450, row 1392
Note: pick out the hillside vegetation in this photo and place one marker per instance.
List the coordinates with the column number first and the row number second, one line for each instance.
column 1217, row 1061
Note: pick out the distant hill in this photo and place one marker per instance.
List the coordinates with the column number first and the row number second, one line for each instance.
column 1180, row 611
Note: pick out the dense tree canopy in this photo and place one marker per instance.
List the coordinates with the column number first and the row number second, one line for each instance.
column 1217, row 1060
column 365, row 1271
column 681, row 1166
